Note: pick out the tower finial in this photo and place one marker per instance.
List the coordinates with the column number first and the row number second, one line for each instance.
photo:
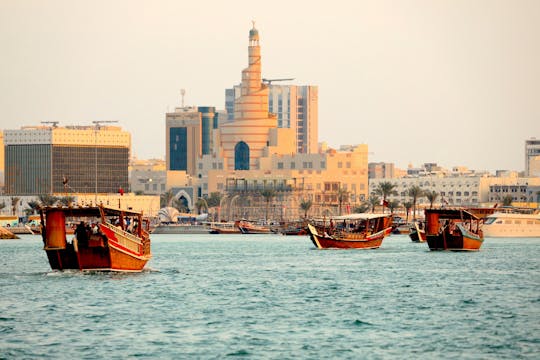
column 253, row 22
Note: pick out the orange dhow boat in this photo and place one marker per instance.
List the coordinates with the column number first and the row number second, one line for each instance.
column 354, row 231
column 453, row 229
column 247, row 227
column 230, row 227
column 106, row 239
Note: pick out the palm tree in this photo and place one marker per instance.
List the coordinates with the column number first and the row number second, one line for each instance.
column 385, row 189
column 200, row 204
column 14, row 204
column 392, row 205
column 407, row 205
column 305, row 205
column 362, row 208
column 66, row 200
column 166, row 198
column 47, row 200
column 343, row 196
column 507, row 200
column 415, row 192
column 33, row 206
column 373, row 202
column 214, row 199
column 431, row 196
column 268, row 194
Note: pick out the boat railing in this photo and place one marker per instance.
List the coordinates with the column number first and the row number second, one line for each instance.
column 125, row 239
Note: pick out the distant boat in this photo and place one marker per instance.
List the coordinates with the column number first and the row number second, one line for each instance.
column 298, row 230
column 180, row 228
column 512, row 224
column 354, row 231
column 102, row 240
column 294, row 228
column 453, row 229
column 416, row 233
column 247, row 227
column 7, row 234
column 230, row 227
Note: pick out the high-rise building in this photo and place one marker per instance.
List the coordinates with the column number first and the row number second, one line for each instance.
column 189, row 136
column 532, row 157
column 81, row 159
column 295, row 107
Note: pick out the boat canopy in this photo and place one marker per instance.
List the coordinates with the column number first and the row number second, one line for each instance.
column 360, row 216
column 80, row 211
column 452, row 213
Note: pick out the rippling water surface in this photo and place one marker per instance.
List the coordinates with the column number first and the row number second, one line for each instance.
column 268, row 296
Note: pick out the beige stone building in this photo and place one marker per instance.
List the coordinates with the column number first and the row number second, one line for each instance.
column 334, row 181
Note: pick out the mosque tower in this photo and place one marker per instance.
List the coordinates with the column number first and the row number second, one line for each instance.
column 245, row 139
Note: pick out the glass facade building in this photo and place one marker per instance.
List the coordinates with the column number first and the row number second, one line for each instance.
column 41, row 169
column 178, row 148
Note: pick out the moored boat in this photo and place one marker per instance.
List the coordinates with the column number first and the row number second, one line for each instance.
column 7, row 234
column 453, row 229
column 106, row 239
column 417, row 232
column 353, row 231
column 512, row 224
column 298, row 230
column 230, row 227
column 247, row 227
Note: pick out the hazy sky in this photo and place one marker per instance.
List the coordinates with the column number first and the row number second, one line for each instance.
column 453, row 82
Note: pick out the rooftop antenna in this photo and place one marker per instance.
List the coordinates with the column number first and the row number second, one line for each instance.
column 182, row 92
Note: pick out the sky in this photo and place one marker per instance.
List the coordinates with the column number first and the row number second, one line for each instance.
column 454, row 82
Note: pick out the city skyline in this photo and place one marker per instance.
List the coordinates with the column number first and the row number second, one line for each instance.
column 454, row 83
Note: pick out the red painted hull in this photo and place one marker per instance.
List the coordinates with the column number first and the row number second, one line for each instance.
column 447, row 231
column 324, row 241
column 454, row 242
column 109, row 249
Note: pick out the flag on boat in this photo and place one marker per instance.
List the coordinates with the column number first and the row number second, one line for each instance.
column 121, row 191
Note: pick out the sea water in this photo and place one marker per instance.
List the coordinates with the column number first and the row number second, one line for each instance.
column 276, row 297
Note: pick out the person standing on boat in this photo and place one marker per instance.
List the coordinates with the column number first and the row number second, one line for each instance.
column 81, row 234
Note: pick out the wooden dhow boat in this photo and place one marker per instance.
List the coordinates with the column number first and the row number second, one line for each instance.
column 230, row 227
column 247, row 227
column 105, row 239
column 453, row 229
column 353, row 231
column 417, row 232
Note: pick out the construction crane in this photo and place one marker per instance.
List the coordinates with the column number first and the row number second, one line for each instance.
column 54, row 123
column 269, row 81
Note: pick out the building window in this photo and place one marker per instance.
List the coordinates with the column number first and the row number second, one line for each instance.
column 280, row 165
column 241, row 156
column 339, row 165
column 293, row 165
